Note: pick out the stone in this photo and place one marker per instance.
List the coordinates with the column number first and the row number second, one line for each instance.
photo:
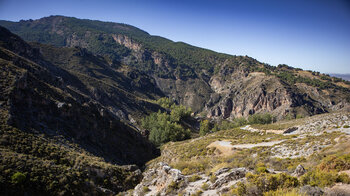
column 299, row 171
column 224, row 178
column 311, row 190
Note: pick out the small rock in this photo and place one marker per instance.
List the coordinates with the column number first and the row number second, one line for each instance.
column 290, row 130
column 299, row 171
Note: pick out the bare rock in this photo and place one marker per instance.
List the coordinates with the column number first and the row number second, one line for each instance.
column 224, row 178
column 299, row 171
column 221, row 171
column 338, row 190
column 161, row 180
column 311, row 190
column 290, row 130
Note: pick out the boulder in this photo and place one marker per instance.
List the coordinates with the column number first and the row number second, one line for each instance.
column 299, row 171
column 311, row 190
column 234, row 174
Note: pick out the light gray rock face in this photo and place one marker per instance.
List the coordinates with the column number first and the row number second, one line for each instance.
column 164, row 180
column 161, row 180
column 299, row 171
column 228, row 176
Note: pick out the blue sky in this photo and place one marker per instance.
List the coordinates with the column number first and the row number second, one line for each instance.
column 309, row 34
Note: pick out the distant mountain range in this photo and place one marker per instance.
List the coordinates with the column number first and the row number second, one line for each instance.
column 343, row 76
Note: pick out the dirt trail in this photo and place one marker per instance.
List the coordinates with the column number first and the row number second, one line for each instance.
column 226, row 148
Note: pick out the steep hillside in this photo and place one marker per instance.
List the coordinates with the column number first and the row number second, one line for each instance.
column 60, row 132
column 309, row 156
column 213, row 84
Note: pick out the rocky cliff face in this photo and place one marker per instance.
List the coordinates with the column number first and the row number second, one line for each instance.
column 235, row 91
column 247, row 94
column 238, row 93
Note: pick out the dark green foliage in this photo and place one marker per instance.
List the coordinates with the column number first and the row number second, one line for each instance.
column 237, row 122
column 260, row 119
column 165, row 127
column 165, row 102
column 241, row 121
column 18, row 178
column 38, row 165
column 204, row 127
column 179, row 112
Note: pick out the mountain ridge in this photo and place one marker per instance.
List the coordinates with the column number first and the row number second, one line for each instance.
column 189, row 74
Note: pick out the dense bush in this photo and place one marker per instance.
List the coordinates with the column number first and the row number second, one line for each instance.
column 165, row 102
column 260, row 119
column 166, row 127
column 257, row 184
column 337, row 163
column 319, row 178
column 163, row 129
column 204, row 127
column 36, row 165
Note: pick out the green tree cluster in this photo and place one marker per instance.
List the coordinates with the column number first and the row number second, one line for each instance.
column 260, row 119
column 166, row 127
column 204, row 127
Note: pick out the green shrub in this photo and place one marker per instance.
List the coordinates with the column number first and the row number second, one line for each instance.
column 205, row 186
column 18, row 178
column 145, row 189
column 299, row 116
column 179, row 112
column 260, row 119
column 319, row 178
column 265, row 182
column 204, row 127
column 213, row 178
column 194, row 178
column 346, row 126
column 163, row 129
column 260, row 170
column 337, row 163
column 197, row 193
column 165, row 102
column 241, row 189
column 237, row 122
column 284, row 192
column 344, row 178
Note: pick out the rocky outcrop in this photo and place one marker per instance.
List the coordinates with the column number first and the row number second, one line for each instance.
column 161, row 180
column 228, row 176
column 164, row 180
column 127, row 42
column 245, row 95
